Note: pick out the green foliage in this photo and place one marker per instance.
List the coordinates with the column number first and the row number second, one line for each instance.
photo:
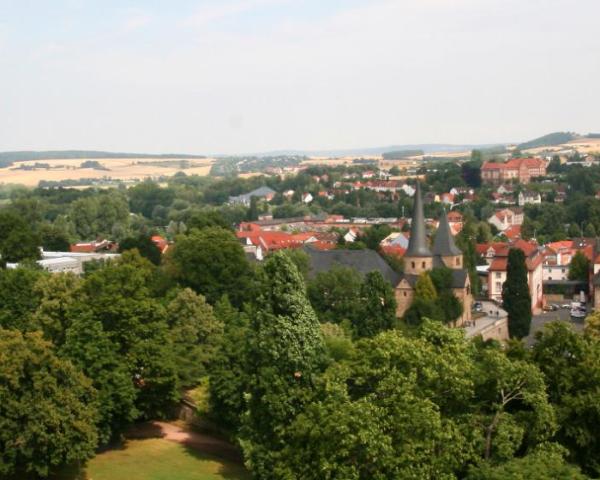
column 46, row 413
column 546, row 462
column 104, row 215
column 228, row 372
column 579, row 268
column 18, row 298
column 571, row 367
column 376, row 311
column 286, row 351
column 335, row 294
column 195, row 334
column 144, row 245
column 373, row 236
column 211, row 262
column 515, row 295
column 146, row 196
column 424, row 288
column 17, row 241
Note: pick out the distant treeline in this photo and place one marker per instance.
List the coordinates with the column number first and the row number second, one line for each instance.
column 548, row 140
column 593, row 135
column 8, row 158
column 400, row 154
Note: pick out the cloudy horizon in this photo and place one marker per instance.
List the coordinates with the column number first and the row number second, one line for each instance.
column 232, row 76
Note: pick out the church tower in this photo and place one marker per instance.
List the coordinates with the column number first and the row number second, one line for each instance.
column 418, row 258
column 445, row 250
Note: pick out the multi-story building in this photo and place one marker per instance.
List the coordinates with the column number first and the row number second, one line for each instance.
column 507, row 217
column 497, row 257
column 520, row 170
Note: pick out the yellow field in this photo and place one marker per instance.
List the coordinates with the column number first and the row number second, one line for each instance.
column 119, row 169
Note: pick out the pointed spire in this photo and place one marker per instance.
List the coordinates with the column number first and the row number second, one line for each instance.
column 417, row 244
column 444, row 245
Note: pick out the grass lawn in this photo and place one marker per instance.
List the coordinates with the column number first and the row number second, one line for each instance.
column 158, row 459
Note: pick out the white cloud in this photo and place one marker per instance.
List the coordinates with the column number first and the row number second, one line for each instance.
column 218, row 10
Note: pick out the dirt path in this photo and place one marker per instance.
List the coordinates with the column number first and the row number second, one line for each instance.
column 198, row 442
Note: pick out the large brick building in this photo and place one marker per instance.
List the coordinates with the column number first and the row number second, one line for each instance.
column 520, row 170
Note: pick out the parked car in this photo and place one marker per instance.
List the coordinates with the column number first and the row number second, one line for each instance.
column 566, row 306
column 550, row 308
column 478, row 307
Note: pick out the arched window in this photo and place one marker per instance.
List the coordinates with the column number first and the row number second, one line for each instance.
column 413, row 264
column 423, row 265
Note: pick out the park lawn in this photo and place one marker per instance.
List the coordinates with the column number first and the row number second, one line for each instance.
column 158, row 459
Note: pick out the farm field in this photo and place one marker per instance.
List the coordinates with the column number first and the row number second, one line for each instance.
column 125, row 169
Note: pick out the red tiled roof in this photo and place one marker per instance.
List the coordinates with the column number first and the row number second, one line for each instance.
column 513, row 232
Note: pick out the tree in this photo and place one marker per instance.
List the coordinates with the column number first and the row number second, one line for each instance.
column 570, row 363
column 589, row 231
column 373, row 236
column 144, row 197
column 286, row 352
column 515, row 295
column 579, row 268
column 424, row 288
column 144, row 245
column 546, row 462
column 377, row 311
column 17, row 240
column 90, row 349
column 47, row 413
column 211, row 262
column 335, row 294
column 228, row 376
column 19, row 298
column 195, row 334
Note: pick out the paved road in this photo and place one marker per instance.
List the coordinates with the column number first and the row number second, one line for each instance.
column 563, row 315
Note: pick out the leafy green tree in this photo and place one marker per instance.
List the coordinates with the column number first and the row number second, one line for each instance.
column 57, row 294
column 90, row 349
column 104, row 215
column 579, row 269
column 424, row 288
column 286, row 352
column 118, row 295
column 17, row 240
column 146, row 196
column 589, row 231
column 18, row 298
column 546, row 462
column 515, row 295
column 571, row 366
column 144, row 245
column 373, row 236
column 228, row 377
column 377, row 311
column 54, row 238
column 195, row 334
column 465, row 240
column 335, row 294
column 47, row 415
column 211, row 262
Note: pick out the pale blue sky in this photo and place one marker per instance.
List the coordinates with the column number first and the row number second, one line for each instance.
column 207, row 76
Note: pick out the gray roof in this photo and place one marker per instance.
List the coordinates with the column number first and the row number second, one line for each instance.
column 363, row 261
column 443, row 244
column 459, row 278
column 417, row 245
column 259, row 192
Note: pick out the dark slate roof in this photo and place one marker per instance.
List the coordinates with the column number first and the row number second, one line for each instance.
column 443, row 244
column 417, row 244
column 459, row 278
column 363, row 261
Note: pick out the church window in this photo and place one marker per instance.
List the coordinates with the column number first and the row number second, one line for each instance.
column 413, row 264
column 457, row 260
column 423, row 264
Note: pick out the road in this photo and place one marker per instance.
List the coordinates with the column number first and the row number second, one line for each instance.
column 563, row 315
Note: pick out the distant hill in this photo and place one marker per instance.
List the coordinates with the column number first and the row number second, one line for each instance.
column 427, row 148
column 400, row 154
column 8, row 158
column 556, row 138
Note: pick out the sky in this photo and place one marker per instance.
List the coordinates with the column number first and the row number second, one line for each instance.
column 241, row 76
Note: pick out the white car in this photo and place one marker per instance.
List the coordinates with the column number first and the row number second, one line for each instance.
column 577, row 313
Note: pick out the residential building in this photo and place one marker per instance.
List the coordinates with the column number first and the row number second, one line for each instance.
column 525, row 198
column 497, row 270
column 507, row 217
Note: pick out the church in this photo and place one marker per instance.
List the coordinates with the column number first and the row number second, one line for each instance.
column 420, row 257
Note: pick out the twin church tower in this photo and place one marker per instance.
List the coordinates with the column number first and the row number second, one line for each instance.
column 419, row 258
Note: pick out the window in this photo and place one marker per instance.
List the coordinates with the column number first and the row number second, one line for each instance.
column 458, row 261
column 498, row 274
column 412, row 264
column 498, row 285
column 405, row 294
column 423, row 265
